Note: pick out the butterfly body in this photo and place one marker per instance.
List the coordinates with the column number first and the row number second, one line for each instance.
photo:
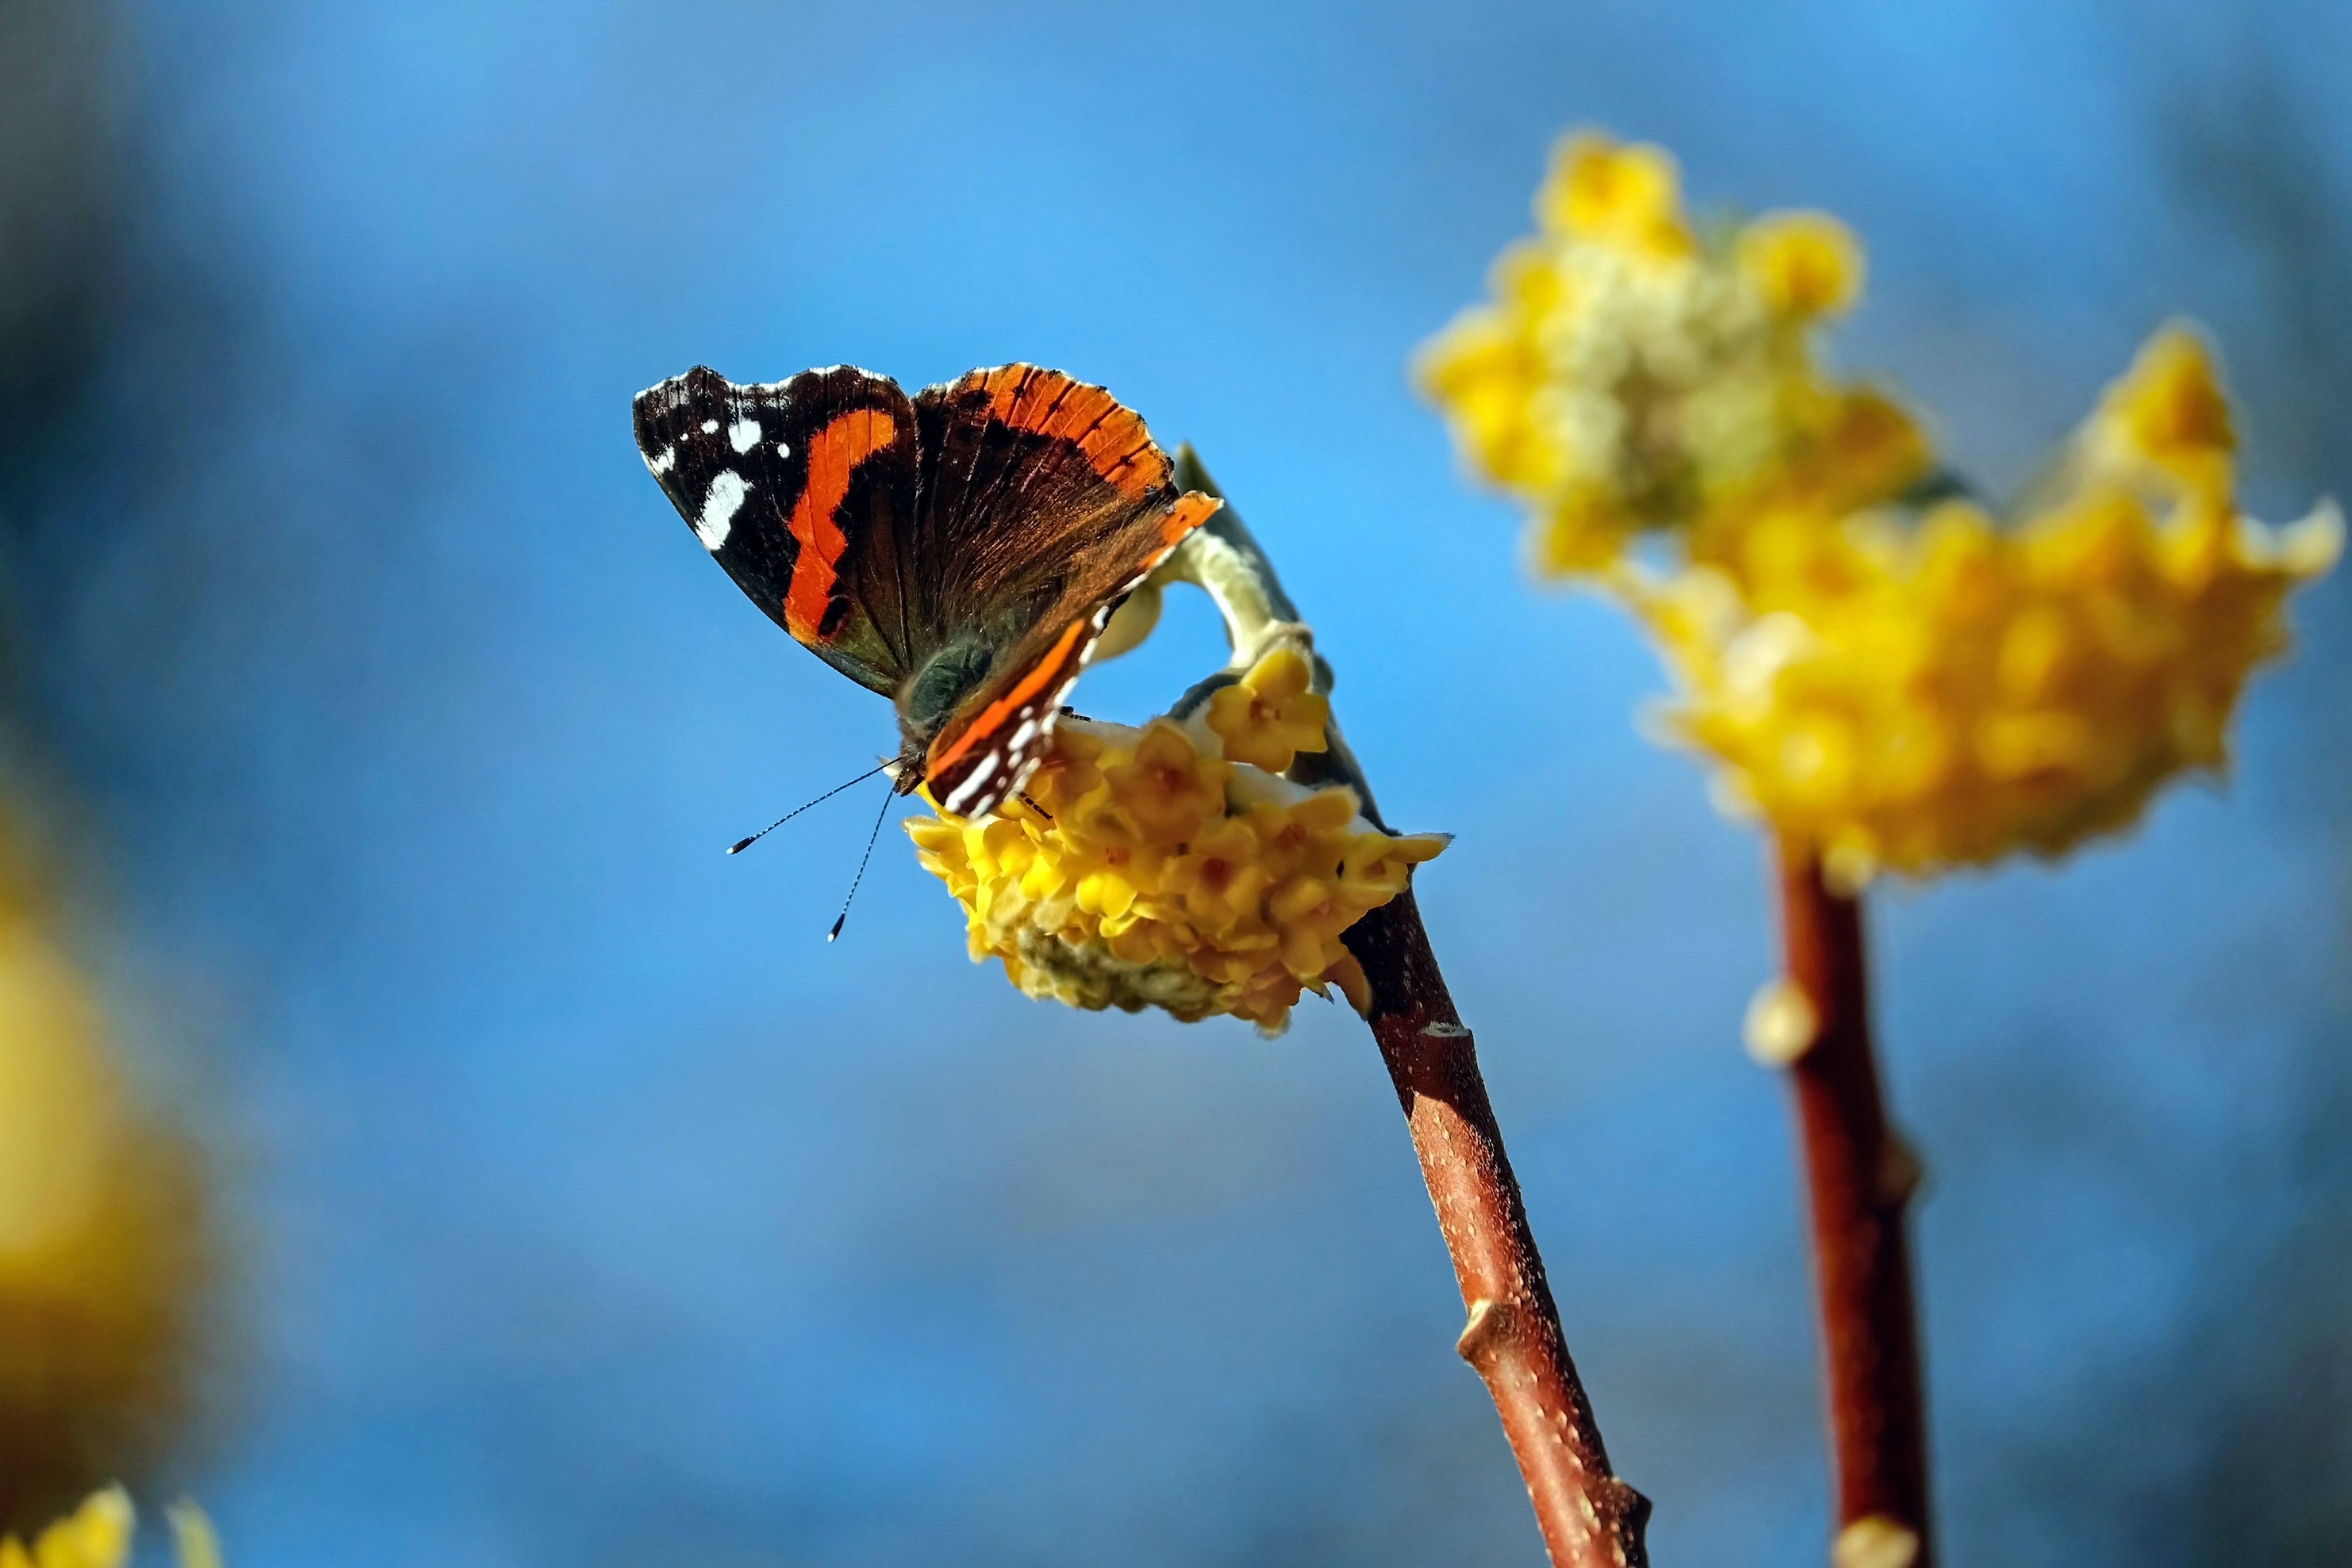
column 959, row 550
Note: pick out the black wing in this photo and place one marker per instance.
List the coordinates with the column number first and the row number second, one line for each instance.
column 804, row 491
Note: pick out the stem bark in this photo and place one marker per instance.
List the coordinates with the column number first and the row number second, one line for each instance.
column 1859, row 1178
column 1590, row 1519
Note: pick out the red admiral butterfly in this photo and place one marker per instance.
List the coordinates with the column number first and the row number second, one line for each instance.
column 959, row 552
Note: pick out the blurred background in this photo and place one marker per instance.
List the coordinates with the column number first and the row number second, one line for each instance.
column 553, row 1193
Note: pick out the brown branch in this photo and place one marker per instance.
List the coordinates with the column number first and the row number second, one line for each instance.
column 1859, row 1178
column 1590, row 1519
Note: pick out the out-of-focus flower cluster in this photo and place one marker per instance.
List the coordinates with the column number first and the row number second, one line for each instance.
column 1899, row 684
column 96, row 1535
column 99, row 1534
column 1173, row 867
column 101, row 1236
column 1627, row 376
column 1922, row 696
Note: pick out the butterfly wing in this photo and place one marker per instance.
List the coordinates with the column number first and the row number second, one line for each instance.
column 961, row 552
column 1041, row 502
column 804, row 491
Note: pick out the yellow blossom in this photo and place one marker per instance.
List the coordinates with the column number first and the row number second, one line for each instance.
column 1628, row 198
column 1145, row 871
column 1269, row 716
column 1896, row 685
column 1624, row 379
column 194, row 1544
column 1922, row 697
column 2167, row 412
column 1801, row 264
column 1488, row 371
column 99, row 1534
column 96, row 1535
column 1315, row 832
column 1164, row 790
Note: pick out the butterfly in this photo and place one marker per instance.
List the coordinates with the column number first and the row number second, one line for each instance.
column 959, row 552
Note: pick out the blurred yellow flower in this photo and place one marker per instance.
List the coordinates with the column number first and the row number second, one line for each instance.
column 101, row 1239
column 99, row 1534
column 1919, row 697
column 1801, row 264
column 1624, row 378
column 1627, row 197
column 1140, row 867
column 2168, row 418
column 96, row 1535
column 194, row 1544
column 1897, row 690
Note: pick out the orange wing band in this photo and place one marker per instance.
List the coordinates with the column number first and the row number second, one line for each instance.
column 1192, row 509
column 1047, row 402
column 834, row 453
column 1049, row 668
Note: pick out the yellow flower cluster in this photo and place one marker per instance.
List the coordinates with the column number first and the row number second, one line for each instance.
column 1897, row 690
column 98, row 1533
column 1918, row 698
column 1626, row 377
column 1173, row 867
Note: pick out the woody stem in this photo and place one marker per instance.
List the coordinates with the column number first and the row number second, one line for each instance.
column 1590, row 1519
column 1859, row 1179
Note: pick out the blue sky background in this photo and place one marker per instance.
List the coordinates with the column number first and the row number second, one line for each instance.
column 584, row 1206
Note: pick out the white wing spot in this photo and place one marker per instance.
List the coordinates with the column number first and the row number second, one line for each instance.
column 1023, row 768
column 963, row 793
column 718, row 509
column 665, row 463
column 783, row 448
column 710, row 427
column 743, row 435
column 1027, row 732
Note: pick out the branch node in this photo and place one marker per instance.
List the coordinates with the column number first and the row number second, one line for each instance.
column 1899, row 1172
column 1441, row 1030
column 1782, row 1025
column 1489, row 1321
column 1875, row 1540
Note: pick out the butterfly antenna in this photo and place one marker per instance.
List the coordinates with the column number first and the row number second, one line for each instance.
column 862, row 859
column 742, row 844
